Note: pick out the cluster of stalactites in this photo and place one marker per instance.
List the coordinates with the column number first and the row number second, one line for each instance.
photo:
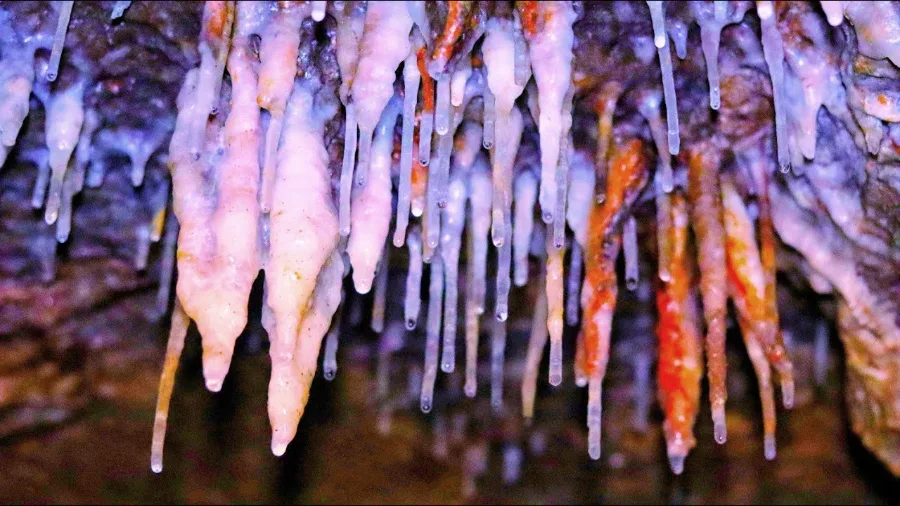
column 265, row 178
column 470, row 180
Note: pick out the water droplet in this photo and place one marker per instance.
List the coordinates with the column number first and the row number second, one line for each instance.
column 720, row 433
column 676, row 462
column 555, row 379
column 787, row 394
column 769, row 447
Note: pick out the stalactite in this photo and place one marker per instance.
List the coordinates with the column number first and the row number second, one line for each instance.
column 411, row 78
column 453, row 219
column 536, row 344
column 627, row 176
column 426, row 121
column 551, row 50
column 680, row 356
column 606, row 110
column 59, row 40
column 383, row 47
column 773, row 49
column 665, row 64
column 432, row 332
column 573, row 285
column 707, row 216
column 498, row 359
column 554, row 287
column 177, row 333
column 254, row 187
column 412, row 300
column 526, row 186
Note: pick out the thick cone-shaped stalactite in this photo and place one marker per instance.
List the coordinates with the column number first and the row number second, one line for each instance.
column 477, row 168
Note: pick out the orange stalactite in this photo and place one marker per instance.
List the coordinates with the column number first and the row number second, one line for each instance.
column 627, row 176
column 602, row 289
column 747, row 287
column 453, row 29
column 767, row 243
column 427, row 82
column 703, row 161
column 755, row 283
column 757, row 358
column 775, row 351
column 680, row 365
column 745, row 267
column 177, row 333
column 528, row 12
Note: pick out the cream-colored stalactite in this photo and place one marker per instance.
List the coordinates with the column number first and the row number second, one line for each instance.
column 384, row 46
column 235, row 221
column 551, row 58
column 289, row 386
column 303, row 226
column 371, row 205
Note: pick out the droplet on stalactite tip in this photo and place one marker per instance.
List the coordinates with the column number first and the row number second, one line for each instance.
column 214, row 385
column 720, row 430
column 278, row 448
column 676, row 462
column 769, row 447
column 555, row 379
column 594, row 451
column 787, row 394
